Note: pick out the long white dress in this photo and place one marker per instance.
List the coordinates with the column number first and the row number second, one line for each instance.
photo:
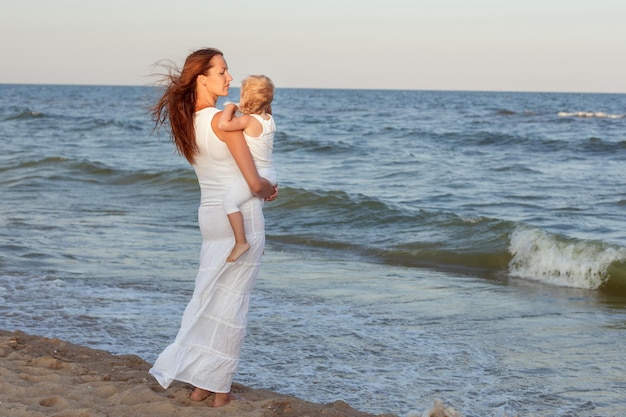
column 206, row 350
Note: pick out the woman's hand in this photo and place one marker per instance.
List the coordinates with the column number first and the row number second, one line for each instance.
column 274, row 195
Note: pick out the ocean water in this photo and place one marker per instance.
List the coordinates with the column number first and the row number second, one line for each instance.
column 466, row 246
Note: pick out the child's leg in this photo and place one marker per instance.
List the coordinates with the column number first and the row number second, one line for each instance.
column 237, row 194
column 241, row 243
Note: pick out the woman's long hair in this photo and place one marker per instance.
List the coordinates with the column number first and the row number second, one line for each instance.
column 177, row 105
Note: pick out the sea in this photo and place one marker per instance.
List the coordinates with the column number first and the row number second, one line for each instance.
column 453, row 245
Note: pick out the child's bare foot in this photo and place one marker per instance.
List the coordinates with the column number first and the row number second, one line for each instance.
column 199, row 394
column 238, row 250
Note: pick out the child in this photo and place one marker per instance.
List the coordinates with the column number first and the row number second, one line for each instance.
column 257, row 124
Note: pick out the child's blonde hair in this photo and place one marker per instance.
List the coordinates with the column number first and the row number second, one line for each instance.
column 257, row 93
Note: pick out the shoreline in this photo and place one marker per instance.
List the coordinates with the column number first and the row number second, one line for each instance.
column 40, row 376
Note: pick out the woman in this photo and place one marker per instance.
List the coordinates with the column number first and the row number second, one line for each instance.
column 206, row 350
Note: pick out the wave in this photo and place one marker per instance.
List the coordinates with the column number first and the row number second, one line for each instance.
column 365, row 227
column 294, row 143
column 61, row 169
column 574, row 145
column 580, row 114
column 389, row 233
column 87, row 124
column 585, row 114
column 507, row 112
column 25, row 114
column 540, row 256
column 75, row 123
column 600, row 147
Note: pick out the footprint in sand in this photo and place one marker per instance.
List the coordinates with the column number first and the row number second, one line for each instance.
column 49, row 402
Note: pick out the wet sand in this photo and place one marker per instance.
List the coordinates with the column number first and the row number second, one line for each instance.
column 49, row 377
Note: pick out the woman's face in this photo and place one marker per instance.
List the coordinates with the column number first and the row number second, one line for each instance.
column 218, row 78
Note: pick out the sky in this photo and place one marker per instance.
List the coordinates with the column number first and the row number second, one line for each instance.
column 471, row 45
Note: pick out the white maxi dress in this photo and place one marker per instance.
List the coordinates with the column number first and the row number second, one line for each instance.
column 206, row 350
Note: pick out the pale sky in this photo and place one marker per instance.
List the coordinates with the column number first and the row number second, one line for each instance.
column 487, row 45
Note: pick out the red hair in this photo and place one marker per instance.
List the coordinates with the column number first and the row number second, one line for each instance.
column 177, row 104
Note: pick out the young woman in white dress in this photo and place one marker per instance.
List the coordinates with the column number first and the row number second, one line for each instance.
column 205, row 352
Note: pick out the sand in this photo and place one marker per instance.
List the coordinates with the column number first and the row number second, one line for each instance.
column 49, row 377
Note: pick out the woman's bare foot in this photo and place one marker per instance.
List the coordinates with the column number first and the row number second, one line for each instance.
column 222, row 399
column 199, row 394
column 238, row 250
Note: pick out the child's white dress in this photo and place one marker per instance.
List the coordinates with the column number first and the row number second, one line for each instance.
column 261, row 148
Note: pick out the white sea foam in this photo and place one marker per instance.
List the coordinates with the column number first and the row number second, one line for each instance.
column 591, row 114
column 540, row 256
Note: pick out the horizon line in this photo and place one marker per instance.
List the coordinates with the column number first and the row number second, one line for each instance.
column 333, row 88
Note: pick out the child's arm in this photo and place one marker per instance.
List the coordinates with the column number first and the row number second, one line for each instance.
column 229, row 123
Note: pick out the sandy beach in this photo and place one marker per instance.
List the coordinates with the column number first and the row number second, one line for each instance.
column 49, row 377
